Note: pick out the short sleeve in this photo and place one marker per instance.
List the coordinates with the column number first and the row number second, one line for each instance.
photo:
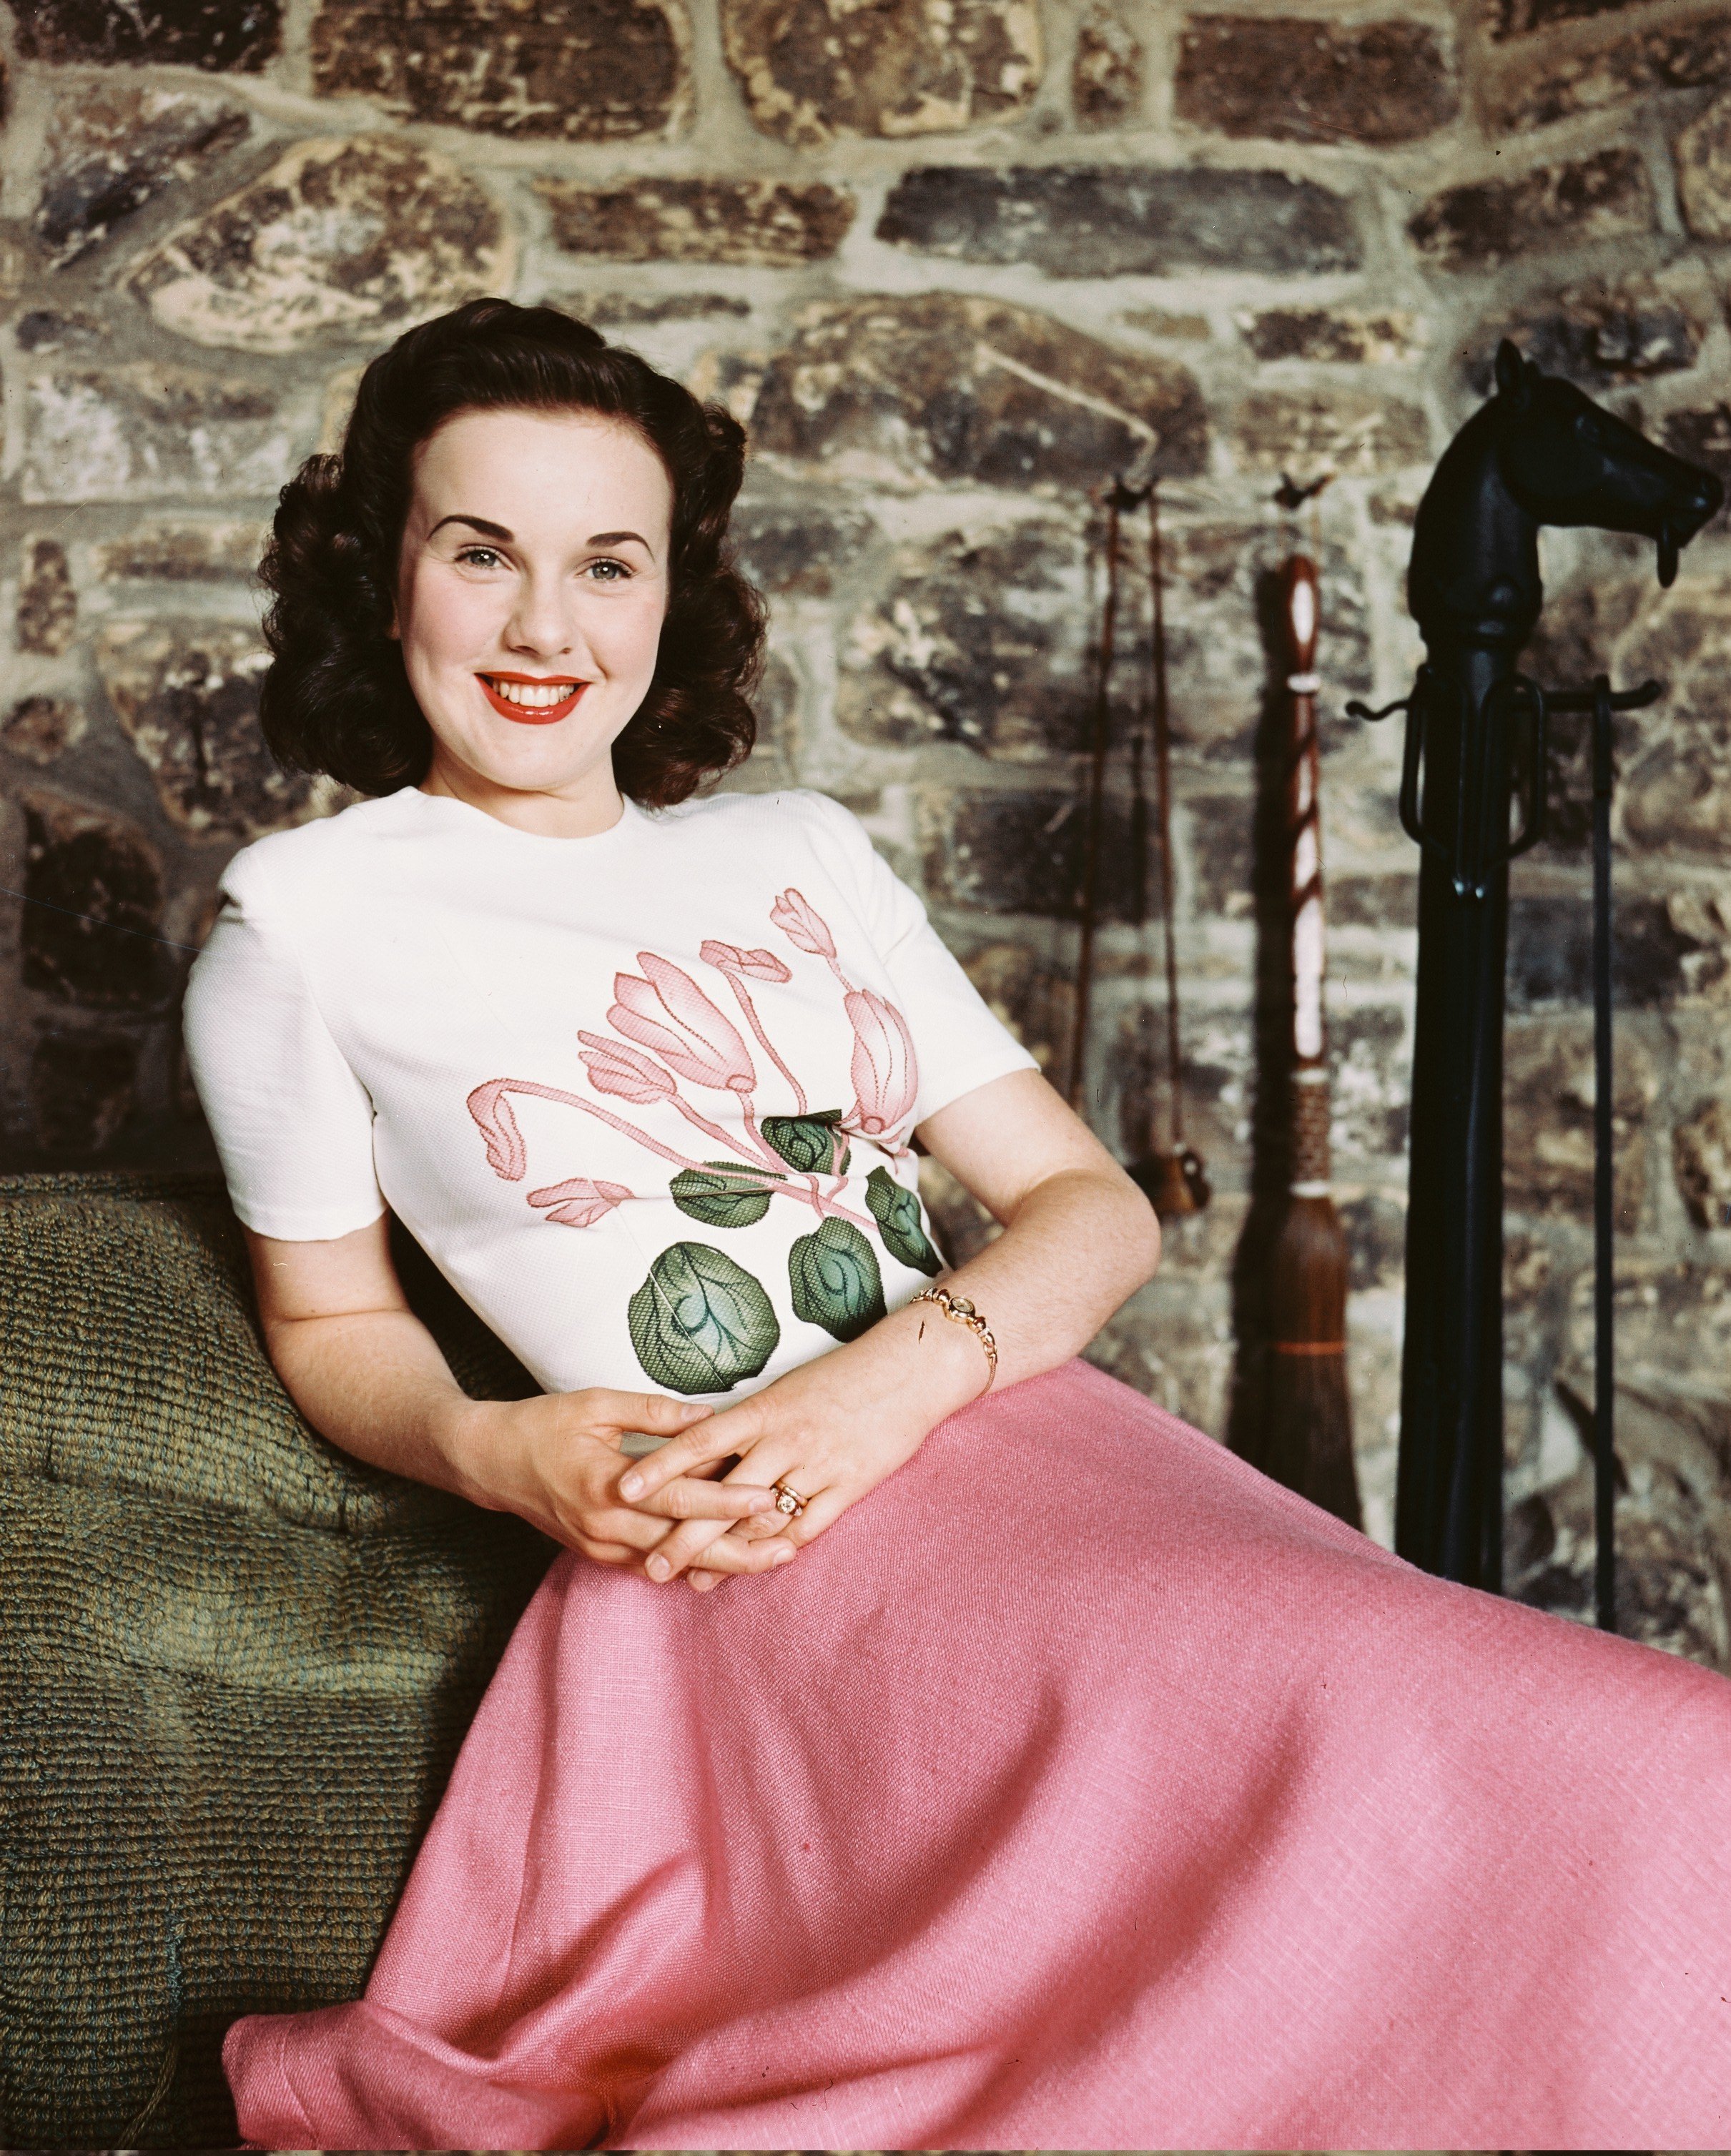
column 959, row 1042
column 292, row 1123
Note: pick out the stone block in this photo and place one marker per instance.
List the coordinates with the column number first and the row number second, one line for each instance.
column 949, row 387
column 1157, row 322
column 1605, row 196
column 798, row 548
column 1701, row 1161
column 144, row 432
column 998, row 851
column 97, row 886
column 1034, row 999
column 1375, row 1227
column 569, row 70
column 611, row 310
column 1535, row 88
column 1123, row 220
column 1346, row 432
column 48, row 605
column 814, row 69
column 1703, row 173
column 342, row 239
column 1351, row 336
column 1222, row 610
column 180, row 553
column 1674, row 797
column 773, row 222
column 1107, row 74
column 81, row 1091
column 1374, row 902
column 1548, row 1113
column 235, row 34
column 1371, row 1049
column 113, row 148
column 1296, row 79
column 187, row 694
column 57, row 329
column 982, row 642
column 1599, row 333
column 39, row 728
column 1132, row 1099
column 1658, row 955
column 1702, row 434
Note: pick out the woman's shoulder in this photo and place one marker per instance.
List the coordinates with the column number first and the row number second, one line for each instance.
column 306, row 854
column 788, row 820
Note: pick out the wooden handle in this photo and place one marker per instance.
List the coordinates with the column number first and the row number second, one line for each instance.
column 1301, row 596
column 1300, row 592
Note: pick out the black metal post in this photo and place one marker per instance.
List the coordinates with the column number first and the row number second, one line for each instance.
column 1604, row 1374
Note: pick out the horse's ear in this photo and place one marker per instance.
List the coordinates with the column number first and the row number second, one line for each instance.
column 1513, row 379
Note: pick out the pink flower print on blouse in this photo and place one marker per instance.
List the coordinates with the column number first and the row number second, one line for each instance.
column 804, row 928
column 885, row 1073
column 670, row 1014
column 738, row 967
column 491, row 1107
column 579, row 1202
column 664, row 1014
column 623, row 1073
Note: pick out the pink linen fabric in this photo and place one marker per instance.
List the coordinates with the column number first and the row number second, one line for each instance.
column 1080, row 1788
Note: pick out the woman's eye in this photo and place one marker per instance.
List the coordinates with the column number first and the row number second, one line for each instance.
column 479, row 558
column 609, row 572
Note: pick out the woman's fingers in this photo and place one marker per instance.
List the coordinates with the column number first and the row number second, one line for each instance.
column 698, row 1541
column 656, row 1414
column 713, row 1439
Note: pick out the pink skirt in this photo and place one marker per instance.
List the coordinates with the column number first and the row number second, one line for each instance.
column 1081, row 1788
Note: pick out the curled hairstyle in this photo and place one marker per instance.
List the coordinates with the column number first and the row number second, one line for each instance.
column 336, row 698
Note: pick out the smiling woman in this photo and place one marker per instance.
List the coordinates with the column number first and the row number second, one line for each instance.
column 436, row 513
column 932, row 1744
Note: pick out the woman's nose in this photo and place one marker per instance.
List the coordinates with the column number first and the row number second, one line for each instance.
column 541, row 622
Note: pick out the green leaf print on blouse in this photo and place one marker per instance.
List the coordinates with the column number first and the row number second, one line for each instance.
column 700, row 1322
column 722, row 1195
column 814, row 1143
column 896, row 1211
column 835, row 1280
column 670, row 1041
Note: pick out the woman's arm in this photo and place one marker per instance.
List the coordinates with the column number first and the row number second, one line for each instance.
column 367, row 1375
column 1078, row 1238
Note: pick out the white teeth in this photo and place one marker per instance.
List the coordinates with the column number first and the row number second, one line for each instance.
column 535, row 694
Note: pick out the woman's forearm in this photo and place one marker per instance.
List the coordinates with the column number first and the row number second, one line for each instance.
column 376, row 1385
column 1078, row 1244
column 1077, row 1247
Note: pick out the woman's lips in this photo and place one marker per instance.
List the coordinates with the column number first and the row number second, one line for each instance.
column 531, row 714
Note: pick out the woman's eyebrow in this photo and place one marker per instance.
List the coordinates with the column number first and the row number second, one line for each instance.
column 476, row 523
column 619, row 538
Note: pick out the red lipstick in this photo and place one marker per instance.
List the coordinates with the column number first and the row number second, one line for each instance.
column 532, row 715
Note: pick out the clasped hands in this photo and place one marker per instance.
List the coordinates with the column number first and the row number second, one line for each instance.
column 835, row 1428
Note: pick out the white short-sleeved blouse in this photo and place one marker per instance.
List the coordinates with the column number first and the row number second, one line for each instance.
column 643, row 1097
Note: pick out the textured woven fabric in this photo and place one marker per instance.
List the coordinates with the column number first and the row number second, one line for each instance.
column 235, row 1665
column 1079, row 1788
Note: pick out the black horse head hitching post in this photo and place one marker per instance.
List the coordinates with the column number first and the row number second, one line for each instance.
column 1537, row 452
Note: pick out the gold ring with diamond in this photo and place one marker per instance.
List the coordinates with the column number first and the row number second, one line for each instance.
column 786, row 1499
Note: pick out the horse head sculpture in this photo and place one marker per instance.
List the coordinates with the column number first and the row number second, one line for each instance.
column 1539, row 452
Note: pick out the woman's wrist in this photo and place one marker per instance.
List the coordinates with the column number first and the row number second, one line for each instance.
column 470, row 1436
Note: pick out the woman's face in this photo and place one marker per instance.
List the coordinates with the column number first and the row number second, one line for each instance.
column 530, row 592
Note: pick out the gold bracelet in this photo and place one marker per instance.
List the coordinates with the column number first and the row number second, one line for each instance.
column 958, row 1307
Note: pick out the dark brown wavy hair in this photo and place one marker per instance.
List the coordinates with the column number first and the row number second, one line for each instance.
column 336, row 698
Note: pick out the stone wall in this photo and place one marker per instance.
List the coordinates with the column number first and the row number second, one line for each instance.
column 953, row 266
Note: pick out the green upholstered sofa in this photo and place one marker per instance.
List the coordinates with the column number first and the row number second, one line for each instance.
column 235, row 1665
